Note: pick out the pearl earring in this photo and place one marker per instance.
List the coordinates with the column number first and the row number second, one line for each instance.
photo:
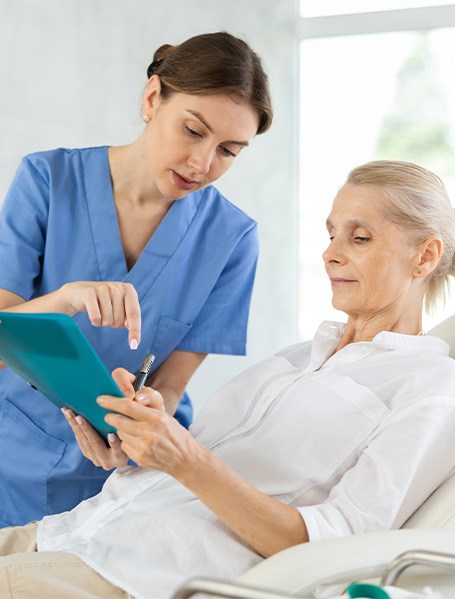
column 146, row 118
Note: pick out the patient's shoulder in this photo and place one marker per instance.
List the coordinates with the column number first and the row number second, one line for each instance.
column 298, row 353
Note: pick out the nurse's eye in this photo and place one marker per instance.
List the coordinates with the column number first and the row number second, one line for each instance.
column 227, row 152
column 191, row 132
column 332, row 237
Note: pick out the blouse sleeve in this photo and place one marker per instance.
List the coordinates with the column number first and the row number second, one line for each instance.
column 221, row 325
column 23, row 222
column 407, row 459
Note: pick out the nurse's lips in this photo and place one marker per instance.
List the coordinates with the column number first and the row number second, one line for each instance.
column 183, row 183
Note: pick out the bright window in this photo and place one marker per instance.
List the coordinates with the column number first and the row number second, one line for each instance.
column 362, row 97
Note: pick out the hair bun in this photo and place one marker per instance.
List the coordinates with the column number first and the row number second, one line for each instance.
column 163, row 52
column 153, row 66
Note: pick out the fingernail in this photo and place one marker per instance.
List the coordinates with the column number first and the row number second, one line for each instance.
column 133, row 344
column 111, row 437
column 141, row 396
column 79, row 419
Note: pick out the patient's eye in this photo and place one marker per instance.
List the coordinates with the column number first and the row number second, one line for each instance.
column 361, row 239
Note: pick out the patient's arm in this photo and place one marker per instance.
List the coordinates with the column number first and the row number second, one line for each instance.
column 265, row 523
column 154, row 439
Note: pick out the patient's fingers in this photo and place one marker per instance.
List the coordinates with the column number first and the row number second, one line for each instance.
column 150, row 397
column 124, row 380
column 146, row 398
column 158, row 442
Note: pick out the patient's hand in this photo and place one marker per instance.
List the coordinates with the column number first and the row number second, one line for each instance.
column 148, row 435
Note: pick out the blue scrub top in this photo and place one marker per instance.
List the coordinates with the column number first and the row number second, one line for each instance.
column 194, row 281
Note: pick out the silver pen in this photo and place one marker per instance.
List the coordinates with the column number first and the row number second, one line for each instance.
column 144, row 372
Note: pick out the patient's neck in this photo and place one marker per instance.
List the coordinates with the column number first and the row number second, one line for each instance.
column 360, row 328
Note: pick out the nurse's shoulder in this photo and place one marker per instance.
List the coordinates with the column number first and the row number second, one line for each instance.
column 222, row 219
column 60, row 162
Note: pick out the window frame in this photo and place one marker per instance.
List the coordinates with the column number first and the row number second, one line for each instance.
column 404, row 19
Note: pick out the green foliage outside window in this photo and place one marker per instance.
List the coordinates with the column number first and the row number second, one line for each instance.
column 418, row 128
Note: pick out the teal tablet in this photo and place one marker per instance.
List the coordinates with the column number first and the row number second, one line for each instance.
column 53, row 355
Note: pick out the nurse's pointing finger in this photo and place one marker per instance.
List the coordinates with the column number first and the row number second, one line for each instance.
column 133, row 317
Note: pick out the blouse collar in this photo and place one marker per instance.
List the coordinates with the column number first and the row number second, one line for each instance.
column 329, row 333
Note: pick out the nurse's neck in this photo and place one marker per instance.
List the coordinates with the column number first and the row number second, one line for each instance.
column 138, row 214
column 131, row 181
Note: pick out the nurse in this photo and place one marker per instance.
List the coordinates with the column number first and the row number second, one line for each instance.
column 140, row 248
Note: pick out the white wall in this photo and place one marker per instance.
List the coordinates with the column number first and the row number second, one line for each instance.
column 72, row 74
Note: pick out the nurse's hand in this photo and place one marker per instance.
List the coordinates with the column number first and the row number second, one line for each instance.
column 107, row 303
column 92, row 444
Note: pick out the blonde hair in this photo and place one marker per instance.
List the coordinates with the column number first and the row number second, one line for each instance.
column 416, row 199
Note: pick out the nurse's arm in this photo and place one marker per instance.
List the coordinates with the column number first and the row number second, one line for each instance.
column 7, row 299
column 173, row 375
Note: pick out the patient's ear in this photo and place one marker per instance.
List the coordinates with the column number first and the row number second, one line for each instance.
column 430, row 253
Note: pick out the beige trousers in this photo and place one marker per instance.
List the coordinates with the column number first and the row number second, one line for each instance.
column 26, row 573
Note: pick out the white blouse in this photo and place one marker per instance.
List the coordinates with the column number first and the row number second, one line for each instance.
column 356, row 442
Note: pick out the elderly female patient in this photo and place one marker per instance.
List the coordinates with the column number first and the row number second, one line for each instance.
column 345, row 434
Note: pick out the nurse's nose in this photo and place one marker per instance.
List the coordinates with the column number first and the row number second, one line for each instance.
column 200, row 160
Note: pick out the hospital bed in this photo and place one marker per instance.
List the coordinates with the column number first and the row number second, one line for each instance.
column 420, row 555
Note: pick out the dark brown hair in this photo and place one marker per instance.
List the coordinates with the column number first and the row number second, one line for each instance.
column 215, row 63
